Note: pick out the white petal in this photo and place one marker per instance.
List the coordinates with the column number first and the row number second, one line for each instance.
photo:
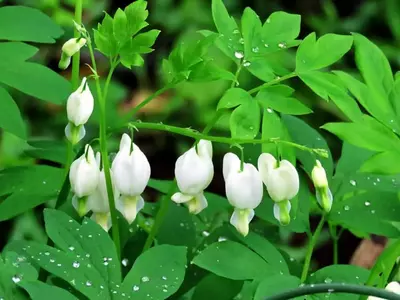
column 104, row 220
column 80, row 105
column 266, row 162
column 277, row 213
column 130, row 207
column 71, row 134
column 231, row 163
column 324, row 198
column 197, row 204
column 126, row 142
column 241, row 220
column 204, row 148
column 181, row 198
column 81, row 205
column 394, row 287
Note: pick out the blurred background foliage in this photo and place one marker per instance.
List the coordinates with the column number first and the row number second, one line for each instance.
column 190, row 104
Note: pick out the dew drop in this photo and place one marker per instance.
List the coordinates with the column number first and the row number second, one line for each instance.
column 266, row 45
column 236, row 31
column 47, row 253
column 165, row 290
column 353, row 182
column 239, row 54
column 145, row 279
column 164, row 278
column 246, row 64
column 125, row 262
column 255, row 49
column 88, row 283
column 52, row 260
column 270, row 110
column 282, row 45
column 367, row 203
column 328, row 280
column 76, row 264
column 372, row 211
column 71, row 248
column 135, row 288
column 205, row 233
column 222, row 239
column 16, row 279
column 347, row 208
column 378, row 180
column 241, row 41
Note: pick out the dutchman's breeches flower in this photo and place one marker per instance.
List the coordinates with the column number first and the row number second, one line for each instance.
column 69, row 48
column 194, row 171
column 393, row 286
column 322, row 191
column 84, row 178
column 80, row 106
column 282, row 182
column 131, row 173
column 244, row 191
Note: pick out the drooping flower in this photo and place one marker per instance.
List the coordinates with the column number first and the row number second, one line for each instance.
column 393, row 286
column 84, row 178
column 244, row 191
column 80, row 106
column 131, row 172
column 98, row 201
column 282, row 182
column 323, row 193
column 69, row 48
column 194, row 171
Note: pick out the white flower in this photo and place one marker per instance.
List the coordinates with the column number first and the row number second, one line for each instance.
column 393, row 286
column 98, row 200
column 69, row 48
column 244, row 191
column 84, row 177
column 80, row 104
column 194, row 171
column 131, row 172
column 282, row 181
column 323, row 193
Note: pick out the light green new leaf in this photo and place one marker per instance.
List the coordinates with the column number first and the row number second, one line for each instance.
column 136, row 14
column 245, row 120
column 120, row 27
column 278, row 98
column 10, row 116
column 158, row 272
column 329, row 87
column 232, row 260
column 314, row 55
column 276, row 284
column 20, row 23
column 35, row 80
column 374, row 66
column 16, row 51
column 382, row 163
column 234, row 97
column 41, row 291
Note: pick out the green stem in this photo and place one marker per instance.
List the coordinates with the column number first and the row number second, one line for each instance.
column 224, row 140
column 310, row 250
column 334, row 288
column 103, row 147
column 272, row 82
column 77, row 56
column 335, row 239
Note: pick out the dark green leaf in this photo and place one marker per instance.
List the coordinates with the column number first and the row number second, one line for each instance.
column 276, row 284
column 35, row 27
column 232, row 260
column 42, row 291
column 234, row 97
column 16, row 51
column 245, row 120
column 158, row 272
column 215, row 287
column 51, row 150
column 10, row 116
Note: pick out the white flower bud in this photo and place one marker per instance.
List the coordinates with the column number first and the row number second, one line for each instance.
column 393, row 286
column 282, row 181
column 244, row 191
column 131, row 172
column 69, row 48
column 194, row 171
column 323, row 193
column 84, row 174
column 80, row 104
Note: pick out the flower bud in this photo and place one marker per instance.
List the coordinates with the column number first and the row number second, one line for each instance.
column 131, row 172
column 80, row 104
column 194, row 171
column 244, row 191
column 69, row 48
column 323, row 193
column 393, row 286
column 84, row 178
column 281, row 180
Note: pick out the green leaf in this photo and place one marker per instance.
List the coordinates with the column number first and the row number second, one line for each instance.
column 278, row 98
column 158, row 272
column 368, row 133
column 35, row 80
column 340, row 274
column 120, row 27
column 234, row 97
column 231, row 260
column 16, row 51
column 329, row 87
column 104, row 37
column 10, row 116
column 215, row 287
column 281, row 27
column 313, row 54
column 136, row 15
column 303, row 134
column 50, row 150
column 374, row 66
column 88, row 240
column 245, row 120
column 371, row 212
column 36, row 26
column 143, row 42
column 382, row 163
column 41, row 291
column 251, row 30
column 276, row 284
column 29, row 187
